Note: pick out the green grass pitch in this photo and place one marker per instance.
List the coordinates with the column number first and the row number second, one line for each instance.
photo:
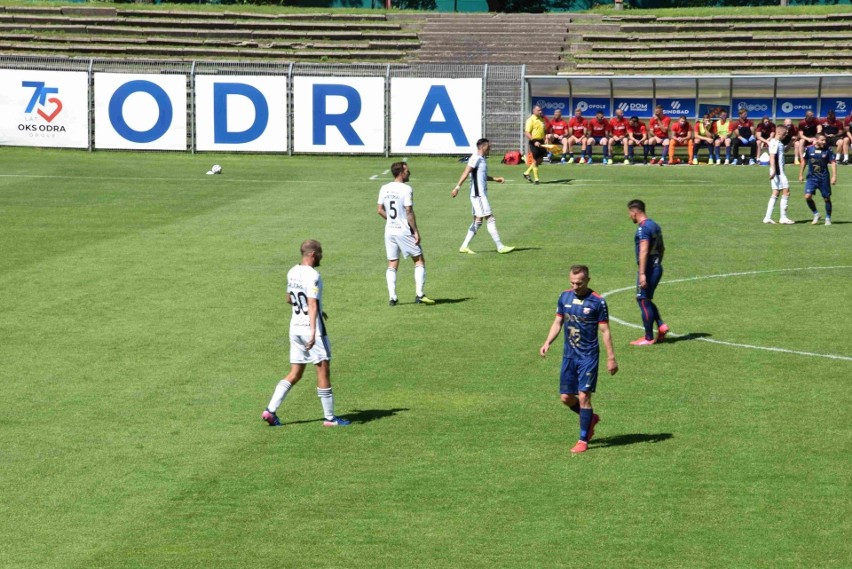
column 143, row 327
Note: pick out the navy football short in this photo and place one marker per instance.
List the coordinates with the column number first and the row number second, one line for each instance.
column 578, row 374
column 653, row 275
column 596, row 139
column 821, row 184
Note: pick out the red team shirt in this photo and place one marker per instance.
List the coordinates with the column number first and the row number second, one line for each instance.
column 660, row 127
column 830, row 128
column 765, row 130
column 808, row 129
column 848, row 121
column 559, row 128
column 577, row 126
column 598, row 128
column 639, row 129
column 618, row 127
column 681, row 130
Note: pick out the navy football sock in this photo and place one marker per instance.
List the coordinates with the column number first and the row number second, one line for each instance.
column 828, row 208
column 585, row 423
column 647, row 317
column 657, row 318
column 812, row 205
column 575, row 407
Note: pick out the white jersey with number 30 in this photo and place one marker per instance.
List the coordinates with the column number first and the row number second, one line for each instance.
column 395, row 197
column 304, row 282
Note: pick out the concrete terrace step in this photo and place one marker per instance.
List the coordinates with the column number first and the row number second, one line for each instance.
column 199, row 32
column 768, row 57
column 595, row 47
column 629, row 40
column 710, row 65
column 203, row 52
column 723, row 27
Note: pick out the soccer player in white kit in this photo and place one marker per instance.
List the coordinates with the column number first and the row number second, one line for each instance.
column 477, row 169
column 777, row 178
column 308, row 337
column 396, row 206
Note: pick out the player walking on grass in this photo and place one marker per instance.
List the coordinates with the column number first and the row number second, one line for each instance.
column 777, row 178
column 396, row 206
column 477, row 169
column 818, row 158
column 308, row 337
column 581, row 311
column 649, row 257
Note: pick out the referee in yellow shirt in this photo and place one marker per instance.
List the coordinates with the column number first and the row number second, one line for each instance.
column 534, row 131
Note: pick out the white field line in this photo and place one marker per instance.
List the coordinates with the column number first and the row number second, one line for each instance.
column 735, row 344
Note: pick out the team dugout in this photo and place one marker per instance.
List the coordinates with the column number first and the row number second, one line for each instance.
column 778, row 97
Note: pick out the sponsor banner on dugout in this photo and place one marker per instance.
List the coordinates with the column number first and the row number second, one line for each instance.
column 756, row 108
column 842, row 106
column 633, row 107
column 241, row 113
column 44, row 108
column 678, row 107
column 589, row 106
column 550, row 105
column 140, row 112
column 794, row 108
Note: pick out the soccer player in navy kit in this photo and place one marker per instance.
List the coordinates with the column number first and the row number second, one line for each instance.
column 649, row 257
column 818, row 158
column 582, row 311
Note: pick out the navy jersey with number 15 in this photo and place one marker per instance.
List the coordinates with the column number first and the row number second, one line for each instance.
column 818, row 161
column 581, row 319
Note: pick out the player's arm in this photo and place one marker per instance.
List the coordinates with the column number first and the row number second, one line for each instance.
column 611, row 364
column 773, row 151
column 833, row 166
column 498, row 179
column 313, row 310
column 802, row 169
column 381, row 211
column 412, row 223
column 465, row 174
column 552, row 334
column 643, row 262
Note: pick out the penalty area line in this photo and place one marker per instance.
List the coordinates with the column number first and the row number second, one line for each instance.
column 737, row 344
column 376, row 176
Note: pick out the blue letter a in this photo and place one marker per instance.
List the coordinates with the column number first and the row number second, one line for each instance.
column 343, row 121
column 221, row 135
column 437, row 98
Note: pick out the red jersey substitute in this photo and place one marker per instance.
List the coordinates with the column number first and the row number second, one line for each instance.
column 598, row 128
column 831, row 128
column 577, row 126
column 681, row 130
column 809, row 128
column 618, row 127
column 559, row 127
column 639, row 130
column 766, row 130
column 660, row 126
column 848, row 121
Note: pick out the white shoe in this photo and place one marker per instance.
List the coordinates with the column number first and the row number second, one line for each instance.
column 768, row 220
column 796, row 162
column 828, row 221
column 816, row 220
column 727, row 162
column 695, row 161
column 626, row 161
column 787, row 221
column 581, row 160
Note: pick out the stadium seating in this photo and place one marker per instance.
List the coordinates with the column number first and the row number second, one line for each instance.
column 750, row 44
column 175, row 34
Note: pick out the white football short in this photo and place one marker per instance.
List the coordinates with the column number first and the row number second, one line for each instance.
column 299, row 354
column 779, row 182
column 396, row 244
column 480, row 206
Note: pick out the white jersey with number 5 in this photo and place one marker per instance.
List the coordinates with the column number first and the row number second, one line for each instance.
column 304, row 282
column 395, row 197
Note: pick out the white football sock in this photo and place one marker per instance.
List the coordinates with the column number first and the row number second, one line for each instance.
column 326, row 397
column 390, row 275
column 492, row 229
column 771, row 207
column 419, row 278
column 784, row 200
column 278, row 395
column 471, row 231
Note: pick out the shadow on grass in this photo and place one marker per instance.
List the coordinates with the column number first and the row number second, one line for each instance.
column 631, row 439
column 359, row 416
column 560, row 181
column 686, row 337
column 809, row 221
column 451, row 300
column 367, row 415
